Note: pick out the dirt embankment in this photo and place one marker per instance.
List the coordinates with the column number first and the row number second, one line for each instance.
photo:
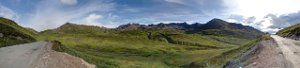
column 266, row 54
column 53, row 59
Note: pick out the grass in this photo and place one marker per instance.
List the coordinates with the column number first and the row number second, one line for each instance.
column 135, row 48
column 226, row 56
column 17, row 28
column 289, row 31
column 13, row 33
column 147, row 48
column 111, row 48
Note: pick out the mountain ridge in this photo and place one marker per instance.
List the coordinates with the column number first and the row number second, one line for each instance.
column 290, row 32
column 13, row 34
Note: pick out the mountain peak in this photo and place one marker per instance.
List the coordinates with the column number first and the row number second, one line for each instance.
column 217, row 21
column 215, row 24
column 68, row 23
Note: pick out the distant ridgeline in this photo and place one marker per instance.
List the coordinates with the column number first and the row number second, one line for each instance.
column 11, row 33
column 214, row 27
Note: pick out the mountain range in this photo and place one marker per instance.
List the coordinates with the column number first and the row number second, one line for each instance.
column 174, row 45
column 213, row 27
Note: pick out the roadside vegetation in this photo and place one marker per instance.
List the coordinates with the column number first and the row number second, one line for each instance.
column 11, row 33
column 290, row 31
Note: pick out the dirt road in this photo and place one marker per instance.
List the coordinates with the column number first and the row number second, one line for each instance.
column 290, row 49
column 20, row 56
column 38, row 55
column 267, row 55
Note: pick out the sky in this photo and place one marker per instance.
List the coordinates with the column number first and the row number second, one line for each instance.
column 265, row 15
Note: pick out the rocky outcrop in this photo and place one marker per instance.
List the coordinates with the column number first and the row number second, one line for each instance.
column 1, row 35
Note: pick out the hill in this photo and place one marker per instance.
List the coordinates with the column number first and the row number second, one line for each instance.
column 214, row 27
column 11, row 33
column 220, row 27
column 291, row 32
column 75, row 28
column 148, row 46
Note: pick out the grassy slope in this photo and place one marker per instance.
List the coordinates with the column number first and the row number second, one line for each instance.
column 108, row 48
column 289, row 31
column 13, row 33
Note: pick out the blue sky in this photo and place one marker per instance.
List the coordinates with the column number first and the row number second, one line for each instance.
column 266, row 15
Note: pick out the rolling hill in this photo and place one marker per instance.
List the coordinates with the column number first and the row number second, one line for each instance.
column 161, row 45
column 291, row 32
column 11, row 33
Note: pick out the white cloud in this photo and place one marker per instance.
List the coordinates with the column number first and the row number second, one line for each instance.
column 263, row 14
column 49, row 14
column 260, row 8
column 98, row 20
column 91, row 19
column 231, row 20
column 270, row 23
column 69, row 2
column 8, row 13
column 176, row 1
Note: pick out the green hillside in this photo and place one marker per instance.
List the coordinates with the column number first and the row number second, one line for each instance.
column 12, row 33
column 135, row 46
column 292, row 31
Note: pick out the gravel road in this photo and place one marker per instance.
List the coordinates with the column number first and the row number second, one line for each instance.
column 290, row 49
column 38, row 55
column 21, row 56
column 267, row 55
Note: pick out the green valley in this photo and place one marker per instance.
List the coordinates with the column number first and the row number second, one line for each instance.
column 154, row 46
column 174, row 45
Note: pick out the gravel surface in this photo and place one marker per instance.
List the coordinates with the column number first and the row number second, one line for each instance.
column 38, row 55
column 20, row 56
column 268, row 55
column 290, row 49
